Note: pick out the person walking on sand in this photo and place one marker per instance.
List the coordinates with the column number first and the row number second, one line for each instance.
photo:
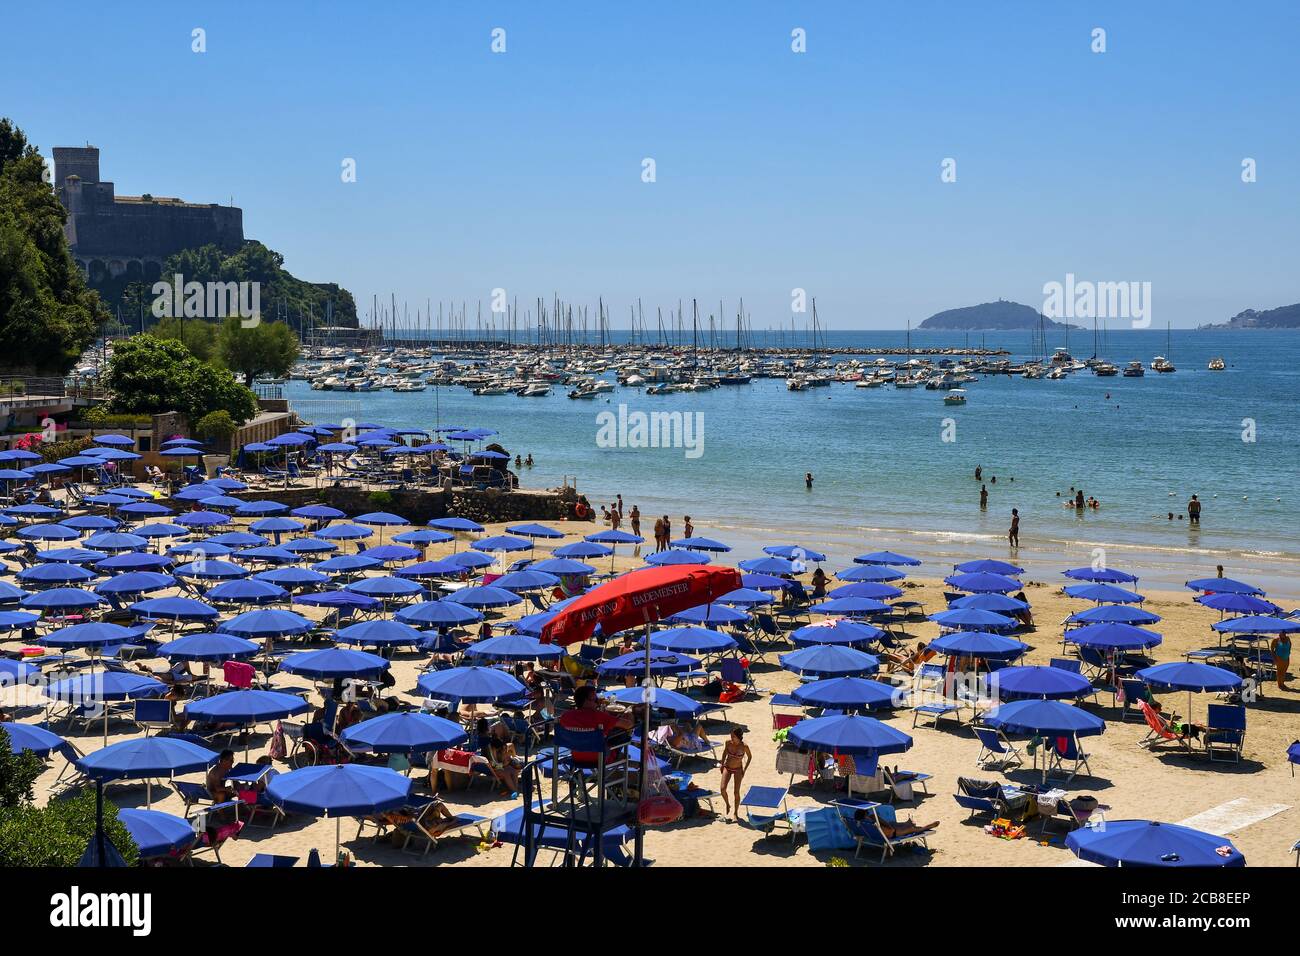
column 736, row 758
column 687, row 528
column 1013, row 536
column 1281, row 648
column 668, row 532
column 1194, row 510
column 659, row 535
column 635, row 517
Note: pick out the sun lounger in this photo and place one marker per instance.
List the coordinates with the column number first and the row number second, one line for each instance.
column 1158, row 732
column 903, row 783
column 434, row 829
column 1075, row 813
column 262, row 860
column 770, row 812
column 984, row 796
column 936, row 710
column 866, row 826
column 996, row 748
column 212, row 834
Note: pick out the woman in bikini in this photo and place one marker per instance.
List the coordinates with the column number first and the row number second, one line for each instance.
column 736, row 757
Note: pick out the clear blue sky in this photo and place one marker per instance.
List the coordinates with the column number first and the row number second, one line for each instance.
column 775, row 170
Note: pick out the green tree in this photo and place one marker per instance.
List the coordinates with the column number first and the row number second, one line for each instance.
column 47, row 314
column 197, row 335
column 216, row 426
column 147, row 375
column 18, row 773
column 268, row 348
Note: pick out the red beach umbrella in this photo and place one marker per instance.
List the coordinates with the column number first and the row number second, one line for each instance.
column 640, row 597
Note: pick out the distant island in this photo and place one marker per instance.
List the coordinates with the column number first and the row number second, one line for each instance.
column 1283, row 317
column 999, row 316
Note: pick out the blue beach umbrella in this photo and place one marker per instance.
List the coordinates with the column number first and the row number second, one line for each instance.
column 10, row 594
column 533, row 624
column 528, row 579
column 332, row 662
column 844, row 633
column 346, row 564
column 1045, row 718
column 423, row 536
column 1039, row 682
column 385, row 588
column 887, row 557
column 54, row 574
column 246, row 592
column 237, row 539
column 404, row 733
column 794, row 552
column 1113, row 637
column 662, row 664
column 62, row 599
column 146, row 758
column 389, row 553
column 674, row 556
column 980, row 582
column 92, row 687
column 534, row 531
column 246, row 707
column 709, row 614
column 470, row 560
column 119, row 441
column 1255, row 624
column 484, row 596
column 343, row 532
column 207, row 647
column 679, row 705
column 457, row 524
column 143, row 508
column 1190, row 676
column 611, row 537
column 381, row 633
column 513, row 647
column 776, row 566
column 871, row 590
column 135, row 583
column 134, row 561
column 1146, row 843
column 1114, row 614
column 1237, row 603
column 266, row 622
column 850, row 735
column 989, row 566
column 93, row 634
column 202, row 519
column 291, row 577
column 583, row 549
column 1101, row 575
column 267, row 554
column 178, row 609
column 159, row 529
column 502, row 542
column 90, row 523
column 276, row 525
column 113, row 541
column 309, row 546
column 336, row 600
column 563, row 566
column 998, row 603
column 1224, row 586
column 340, row 790
column 870, row 573
column 1104, row 594
column 108, row 500
column 745, row 597
column 849, row 607
column 692, row 640
column 973, row 619
column 380, row 519
column 697, row 543
column 471, row 685
column 210, row 570
column 829, row 660
column 36, row 739
column 49, row 532
column 318, row 512
column 847, row 693
column 157, row 834
column 438, row 614
column 978, row 644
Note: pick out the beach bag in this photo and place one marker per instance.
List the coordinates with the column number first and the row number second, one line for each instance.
column 730, row 694
column 276, row 749
column 657, row 807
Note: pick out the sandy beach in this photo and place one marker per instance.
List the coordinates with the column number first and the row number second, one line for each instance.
column 1252, row 802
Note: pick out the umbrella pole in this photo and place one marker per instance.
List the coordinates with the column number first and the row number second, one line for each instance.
column 639, row 855
column 338, row 824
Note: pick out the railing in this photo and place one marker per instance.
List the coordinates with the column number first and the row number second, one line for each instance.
column 37, row 388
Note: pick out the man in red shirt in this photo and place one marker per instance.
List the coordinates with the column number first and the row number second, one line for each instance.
column 587, row 714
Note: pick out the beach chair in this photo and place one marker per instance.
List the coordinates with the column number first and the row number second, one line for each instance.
column 1075, row 813
column 866, row 826
column 1067, row 750
column 766, row 811
column 428, row 833
column 193, row 794
column 1225, row 730
column 1157, row 732
column 780, row 721
column 995, row 747
column 903, row 783
column 1071, row 664
column 734, row 672
column 980, row 797
column 1135, row 692
column 213, row 833
column 153, row 714
column 863, row 775
column 265, row 860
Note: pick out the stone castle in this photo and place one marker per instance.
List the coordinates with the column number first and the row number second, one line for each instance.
column 128, row 237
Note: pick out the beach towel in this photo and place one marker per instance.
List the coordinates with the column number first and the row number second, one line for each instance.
column 276, row 749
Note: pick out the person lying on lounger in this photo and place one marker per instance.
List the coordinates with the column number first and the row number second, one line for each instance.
column 899, row 828
column 907, row 663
